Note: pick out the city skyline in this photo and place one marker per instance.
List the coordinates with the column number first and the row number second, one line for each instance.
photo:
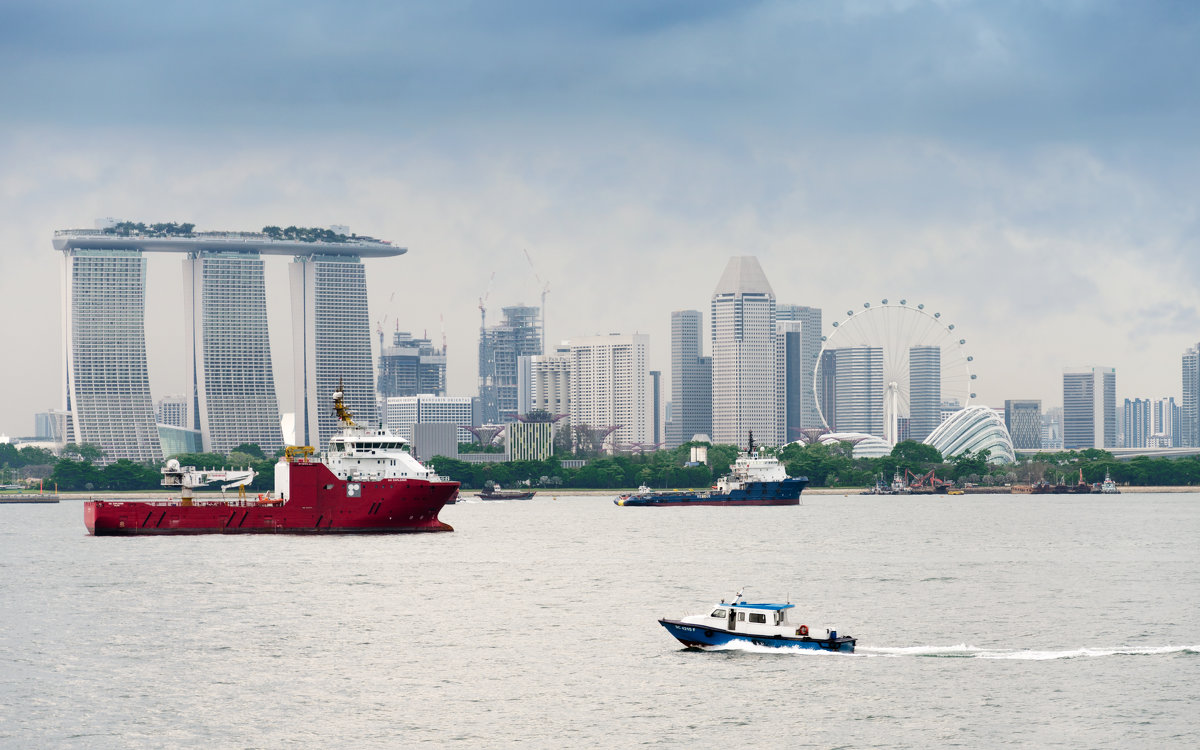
column 1020, row 174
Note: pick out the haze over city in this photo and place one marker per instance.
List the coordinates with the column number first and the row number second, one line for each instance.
column 1030, row 171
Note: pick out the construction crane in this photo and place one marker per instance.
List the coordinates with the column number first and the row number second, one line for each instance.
column 379, row 324
column 545, row 287
column 483, row 302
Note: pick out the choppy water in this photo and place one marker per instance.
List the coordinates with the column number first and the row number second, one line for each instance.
column 982, row 621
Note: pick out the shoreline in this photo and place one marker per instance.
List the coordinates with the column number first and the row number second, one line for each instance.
column 845, row 491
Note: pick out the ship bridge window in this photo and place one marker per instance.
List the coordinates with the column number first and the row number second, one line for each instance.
column 779, row 617
column 758, row 617
column 718, row 613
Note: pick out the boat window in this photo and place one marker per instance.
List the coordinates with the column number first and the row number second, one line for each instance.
column 778, row 617
column 758, row 617
column 742, row 616
column 718, row 613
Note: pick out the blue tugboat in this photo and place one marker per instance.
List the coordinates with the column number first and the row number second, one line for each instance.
column 758, row 624
column 752, row 480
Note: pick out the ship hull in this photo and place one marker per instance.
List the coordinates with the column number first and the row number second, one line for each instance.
column 698, row 636
column 319, row 503
column 786, row 492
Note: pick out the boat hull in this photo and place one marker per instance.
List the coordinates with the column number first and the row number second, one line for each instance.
column 319, row 503
column 698, row 636
column 785, row 492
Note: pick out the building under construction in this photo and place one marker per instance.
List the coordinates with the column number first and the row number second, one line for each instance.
column 411, row 367
column 518, row 335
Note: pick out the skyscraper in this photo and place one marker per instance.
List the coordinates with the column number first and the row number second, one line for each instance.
column 1137, row 423
column 746, row 384
column 801, row 327
column 1024, row 422
column 228, row 356
column 924, row 391
column 518, row 335
column 691, row 380
column 1189, row 407
column 656, row 407
column 1089, row 408
column 858, row 389
column 609, row 385
column 1165, row 423
column 331, row 344
column 106, row 388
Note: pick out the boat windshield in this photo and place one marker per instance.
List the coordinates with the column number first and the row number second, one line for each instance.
column 718, row 613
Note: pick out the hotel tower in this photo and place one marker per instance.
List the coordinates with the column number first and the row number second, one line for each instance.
column 230, row 389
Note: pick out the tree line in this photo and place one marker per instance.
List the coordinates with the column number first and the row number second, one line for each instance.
column 78, row 468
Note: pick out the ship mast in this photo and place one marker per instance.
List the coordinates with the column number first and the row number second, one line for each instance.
column 339, row 407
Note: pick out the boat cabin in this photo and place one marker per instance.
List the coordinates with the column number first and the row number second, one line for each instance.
column 749, row 617
column 367, row 455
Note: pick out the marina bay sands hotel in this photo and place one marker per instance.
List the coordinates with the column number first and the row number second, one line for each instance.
column 231, row 384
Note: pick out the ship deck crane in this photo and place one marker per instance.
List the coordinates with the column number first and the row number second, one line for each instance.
column 187, row 478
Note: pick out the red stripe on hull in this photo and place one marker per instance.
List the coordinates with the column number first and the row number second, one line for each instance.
column 319, row 503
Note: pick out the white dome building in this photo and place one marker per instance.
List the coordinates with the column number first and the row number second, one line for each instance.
column 973, row 429
column 867, row 446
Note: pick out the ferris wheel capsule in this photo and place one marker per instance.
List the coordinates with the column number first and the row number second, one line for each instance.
column 951, row 327
column 904, row 302
column 885, row 302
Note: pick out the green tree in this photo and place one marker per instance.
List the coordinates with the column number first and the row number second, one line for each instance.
column 250, row 449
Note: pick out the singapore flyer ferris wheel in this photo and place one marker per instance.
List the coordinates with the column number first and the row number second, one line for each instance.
column 888, row 365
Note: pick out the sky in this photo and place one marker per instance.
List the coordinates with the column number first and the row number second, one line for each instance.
column 1029, row 169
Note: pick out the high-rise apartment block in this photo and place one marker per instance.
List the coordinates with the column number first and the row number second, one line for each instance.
column 924, row 391
column 1164, row 424
column 550, row 382
column 1089, row 408
column 1023, row 418
column 609, row 386
column 518, row 335
column 691, row 380
column 1137, row 423
column 411, row 367
column 746, row 381
column 1189, row 407
column 858, row 389
column 231, row 390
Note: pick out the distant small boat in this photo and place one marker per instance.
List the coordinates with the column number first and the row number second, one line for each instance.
column 761, row 624
column 494, row 492
column 1108, row 486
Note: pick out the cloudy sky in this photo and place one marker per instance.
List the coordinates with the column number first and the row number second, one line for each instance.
column 1030, row 169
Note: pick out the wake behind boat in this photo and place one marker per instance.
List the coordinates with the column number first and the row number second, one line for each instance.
column 759, row 624
column 753, row 479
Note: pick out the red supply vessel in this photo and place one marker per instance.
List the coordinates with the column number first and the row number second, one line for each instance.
column 365, row 483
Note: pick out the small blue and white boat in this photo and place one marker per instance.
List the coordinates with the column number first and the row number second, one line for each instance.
column 759, row 624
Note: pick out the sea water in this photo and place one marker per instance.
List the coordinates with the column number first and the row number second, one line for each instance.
column 982, row 621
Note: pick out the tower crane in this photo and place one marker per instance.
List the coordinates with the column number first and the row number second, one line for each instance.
column 545, row 289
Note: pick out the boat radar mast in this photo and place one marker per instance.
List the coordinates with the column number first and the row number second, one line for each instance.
column 339, row 407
